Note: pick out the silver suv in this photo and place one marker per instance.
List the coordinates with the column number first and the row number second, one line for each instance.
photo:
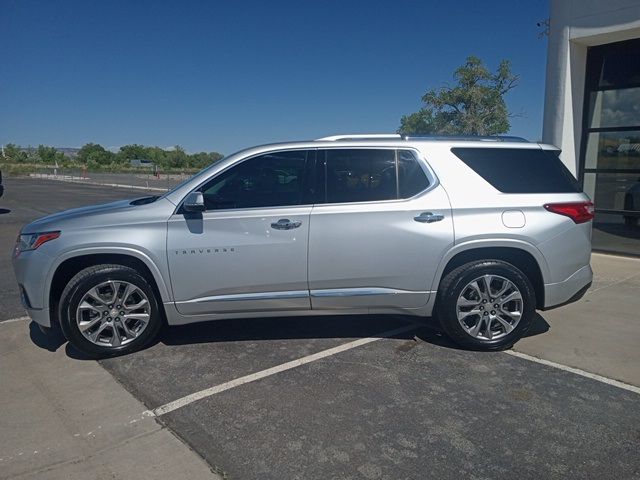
column 479, row 232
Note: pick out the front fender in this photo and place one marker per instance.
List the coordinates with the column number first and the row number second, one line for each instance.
column 156, row 271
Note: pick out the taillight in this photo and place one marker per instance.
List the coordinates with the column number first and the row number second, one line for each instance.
column 579, row 212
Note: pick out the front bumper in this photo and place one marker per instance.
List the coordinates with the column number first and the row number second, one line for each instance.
column 569, row 290
column 31, row 269
column 40, row 316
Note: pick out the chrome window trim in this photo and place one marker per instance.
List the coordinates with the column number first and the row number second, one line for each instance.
column 426, row 168
column 228, row 167
column 424, row 164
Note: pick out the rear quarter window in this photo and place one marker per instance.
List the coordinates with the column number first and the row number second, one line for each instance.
column 520, row 170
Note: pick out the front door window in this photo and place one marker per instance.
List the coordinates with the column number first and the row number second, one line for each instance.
column 271, row 180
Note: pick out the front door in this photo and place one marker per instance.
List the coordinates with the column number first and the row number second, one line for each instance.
column 248, row 250
column 377, row 239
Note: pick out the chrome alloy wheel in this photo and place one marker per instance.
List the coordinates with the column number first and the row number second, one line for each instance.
column 113, row 313
column 489, row 307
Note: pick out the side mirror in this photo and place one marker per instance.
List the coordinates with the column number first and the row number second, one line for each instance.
column 194, row 202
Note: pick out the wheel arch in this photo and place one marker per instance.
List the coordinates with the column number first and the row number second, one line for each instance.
column 523, row 256
column 70, row 265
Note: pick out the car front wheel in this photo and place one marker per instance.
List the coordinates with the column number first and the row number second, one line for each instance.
column 108, row 310
column 486, row 305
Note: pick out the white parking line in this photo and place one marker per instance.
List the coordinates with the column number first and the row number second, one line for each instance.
column 186, row 400
column 577, row 371
column 11, row 320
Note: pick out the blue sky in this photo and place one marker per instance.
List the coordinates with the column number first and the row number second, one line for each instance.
column 213, row 75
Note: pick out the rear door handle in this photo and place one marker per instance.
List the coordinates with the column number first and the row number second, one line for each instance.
column 285, row 224
column 428, row 217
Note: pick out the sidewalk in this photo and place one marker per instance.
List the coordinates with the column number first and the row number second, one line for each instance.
column 601, row 332
column 62, row 418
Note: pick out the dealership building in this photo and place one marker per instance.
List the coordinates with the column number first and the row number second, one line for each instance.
column 592, row 110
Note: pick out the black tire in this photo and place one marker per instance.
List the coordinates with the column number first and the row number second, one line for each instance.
column 89, row 278
column 455, row 281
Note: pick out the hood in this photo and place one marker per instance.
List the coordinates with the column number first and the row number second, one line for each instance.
column 119, row 212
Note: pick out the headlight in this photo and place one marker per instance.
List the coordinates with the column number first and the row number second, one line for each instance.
column 31, row 241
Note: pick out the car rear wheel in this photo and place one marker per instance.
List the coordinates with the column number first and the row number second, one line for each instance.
column 109, row 310
column 486, row 305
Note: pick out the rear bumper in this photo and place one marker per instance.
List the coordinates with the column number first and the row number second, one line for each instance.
column 569, row 290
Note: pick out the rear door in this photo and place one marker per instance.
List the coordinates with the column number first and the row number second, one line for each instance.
column 378, row 231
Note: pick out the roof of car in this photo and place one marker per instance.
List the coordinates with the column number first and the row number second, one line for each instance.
column 395, row 140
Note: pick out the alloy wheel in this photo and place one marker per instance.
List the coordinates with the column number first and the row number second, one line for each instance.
column 489, row 307
column 113, row 313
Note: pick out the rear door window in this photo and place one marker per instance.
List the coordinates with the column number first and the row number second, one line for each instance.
column 411, row 177
column 368, row 175
column 520, row 170
column 359, row 175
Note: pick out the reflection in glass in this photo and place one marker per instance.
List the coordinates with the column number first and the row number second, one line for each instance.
column 617, row 191
column 614, row 108
column 612, row 233
column 611, row 175
column 614, row 64
column 619, row 150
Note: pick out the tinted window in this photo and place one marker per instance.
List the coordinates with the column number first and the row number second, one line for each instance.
column 612, row 64
column 519, row 170
column 411, row 178
column 360, row 175
column 274, row 179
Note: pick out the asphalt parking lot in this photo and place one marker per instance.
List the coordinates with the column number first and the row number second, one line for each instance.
column 396, row 405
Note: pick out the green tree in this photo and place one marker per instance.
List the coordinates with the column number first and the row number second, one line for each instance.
column 131, row 152
column 473, row 106
column 49, row 155
column 94, row 153
column 177, row 158
column 14, row 154
column 203, row 159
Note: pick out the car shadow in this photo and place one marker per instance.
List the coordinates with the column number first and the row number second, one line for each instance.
column 50, row 341
column 344, row 326
column 291, row 328
column 538, row 327
column 288, row 328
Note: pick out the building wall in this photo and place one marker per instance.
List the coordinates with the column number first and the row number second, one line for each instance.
column 574, row 26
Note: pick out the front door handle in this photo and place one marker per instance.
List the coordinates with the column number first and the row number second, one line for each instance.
column 285, row 224
column 428, row 217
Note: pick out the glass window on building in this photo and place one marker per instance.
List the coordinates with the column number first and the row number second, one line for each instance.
column 611, row 145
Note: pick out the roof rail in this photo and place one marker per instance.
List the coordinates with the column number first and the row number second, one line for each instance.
column 468, row 138
column 360, row 136
column 397, row 136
